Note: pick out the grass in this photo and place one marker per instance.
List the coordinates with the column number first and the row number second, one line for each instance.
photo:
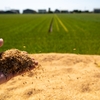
column 72, row 33
column 84, row 32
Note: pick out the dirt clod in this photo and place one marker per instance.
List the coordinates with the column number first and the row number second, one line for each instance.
column 15, row 61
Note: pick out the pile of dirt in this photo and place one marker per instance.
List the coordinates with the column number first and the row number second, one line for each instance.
column 15, row 61
column 59, row 77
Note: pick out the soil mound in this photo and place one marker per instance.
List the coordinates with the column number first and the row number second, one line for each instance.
column 15, row 61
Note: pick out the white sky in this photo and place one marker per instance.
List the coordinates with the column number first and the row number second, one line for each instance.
column 53, row 4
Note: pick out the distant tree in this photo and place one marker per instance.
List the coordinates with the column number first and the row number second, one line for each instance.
column 70, row 11
column 64, row 11
column 77, row 11
column 57, row 11
column 50, row 12
column 86, row 11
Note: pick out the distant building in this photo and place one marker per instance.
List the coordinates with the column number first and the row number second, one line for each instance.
column 64, row 11
column 96, row 10
column 75, row 11
column 29, row 11
column 2, row 12
column 49, row 10
column 42, row 11
column 13, row 11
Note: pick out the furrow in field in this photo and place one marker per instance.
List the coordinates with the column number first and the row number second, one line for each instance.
column 61, row 23
column 51, row 27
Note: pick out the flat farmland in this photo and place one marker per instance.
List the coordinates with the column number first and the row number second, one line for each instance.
column 70, row 33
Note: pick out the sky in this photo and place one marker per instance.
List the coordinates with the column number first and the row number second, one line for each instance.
column 69, row 5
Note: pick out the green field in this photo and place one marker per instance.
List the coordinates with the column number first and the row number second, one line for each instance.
column 71, row 33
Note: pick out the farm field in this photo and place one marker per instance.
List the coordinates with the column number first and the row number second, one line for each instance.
column 50, row 38
column 71, row 33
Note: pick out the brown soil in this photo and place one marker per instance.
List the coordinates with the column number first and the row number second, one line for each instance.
column 58, row 77
column 15, row 61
